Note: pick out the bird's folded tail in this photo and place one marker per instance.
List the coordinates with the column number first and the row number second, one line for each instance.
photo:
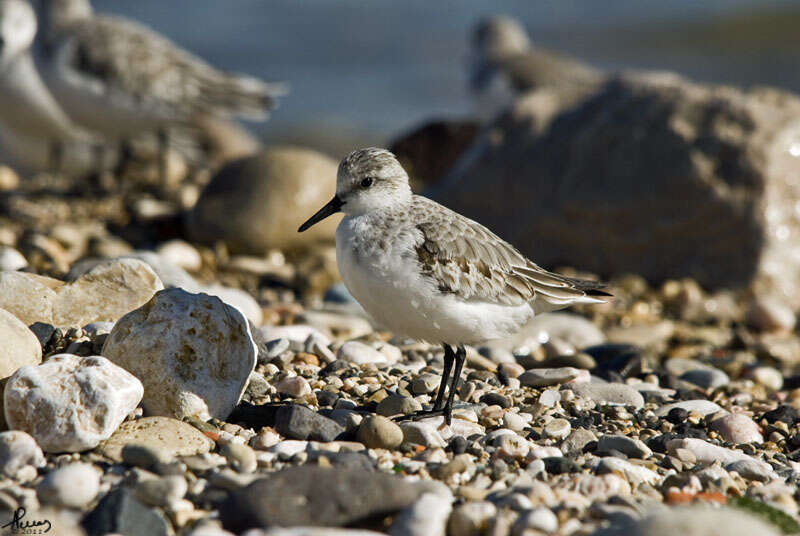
column 243, row 96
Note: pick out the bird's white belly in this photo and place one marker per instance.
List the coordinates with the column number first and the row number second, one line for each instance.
column 396, row 294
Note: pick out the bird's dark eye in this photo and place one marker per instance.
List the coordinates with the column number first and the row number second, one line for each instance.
column 367, row 182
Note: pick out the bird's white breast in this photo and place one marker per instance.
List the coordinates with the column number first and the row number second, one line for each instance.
column 380, row 268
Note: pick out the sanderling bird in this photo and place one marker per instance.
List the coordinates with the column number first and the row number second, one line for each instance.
column 426, row 272
column 122, row 79
column 505, row 62
column 35, row 131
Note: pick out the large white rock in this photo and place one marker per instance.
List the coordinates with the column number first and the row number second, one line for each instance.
column 70, row 403
column 20, row 345
column 104, row 293
column 193, row 353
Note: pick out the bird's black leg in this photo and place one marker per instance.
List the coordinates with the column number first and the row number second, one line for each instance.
column 448, row 364
column 461, row 356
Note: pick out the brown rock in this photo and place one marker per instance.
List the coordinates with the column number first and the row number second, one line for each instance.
column 169, row 437
column 429, row 151
column 653, row 175
column 257, row 203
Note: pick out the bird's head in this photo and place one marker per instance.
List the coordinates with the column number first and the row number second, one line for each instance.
column 368, row 180
column 17, row 28
column 494, row 38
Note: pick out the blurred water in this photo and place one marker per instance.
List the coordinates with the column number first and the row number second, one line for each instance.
column 370, row 68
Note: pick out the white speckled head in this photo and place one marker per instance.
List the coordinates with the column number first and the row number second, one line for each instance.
column 17, row 28
column 368, row 180
column 498, row 35
column 371, row 179
column 60, row 13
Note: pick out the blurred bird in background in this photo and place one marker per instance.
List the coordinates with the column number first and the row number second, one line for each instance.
column 35, row 132
column 505, row 63
column 123, row 81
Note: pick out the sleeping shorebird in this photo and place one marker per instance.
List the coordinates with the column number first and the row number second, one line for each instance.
column 426, row 272
column 122, row 79
column 506, row 63
column 35, row 133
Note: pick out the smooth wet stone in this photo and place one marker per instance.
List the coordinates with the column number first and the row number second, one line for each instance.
column 554, row 376
column 633, row 448
column 397, row 405
column 378, row 432
column 609, row 394
column 256, row 203
column 51, row 401
column 695, row 521
column 299, row 422
column 120, row 512
column 193, row 353
column 72, row 486
column 20, row 456
column 169, row 437
column 703, row 407
column 426, row 517
column 737, row 428
column 360, row 354
column 20, row 345
column 309, row 495
column 710, row 378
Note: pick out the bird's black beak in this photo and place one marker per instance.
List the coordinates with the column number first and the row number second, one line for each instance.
column 332, row 207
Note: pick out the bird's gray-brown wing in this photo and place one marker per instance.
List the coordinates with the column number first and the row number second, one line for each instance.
column 159, row 76
column 466, row 259
column 538, row 68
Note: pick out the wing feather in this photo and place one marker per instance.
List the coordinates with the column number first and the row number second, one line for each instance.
column 466, row 259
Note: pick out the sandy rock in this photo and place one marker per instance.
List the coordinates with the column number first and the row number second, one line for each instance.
column 712, row 154
column 70, row 403
column 378, row 432
column 193, row 353
column 20, row 345
column 169, row 437
column 258, row 202
column 104, row 293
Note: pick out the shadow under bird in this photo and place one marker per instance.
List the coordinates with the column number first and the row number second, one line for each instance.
column 428, row 273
